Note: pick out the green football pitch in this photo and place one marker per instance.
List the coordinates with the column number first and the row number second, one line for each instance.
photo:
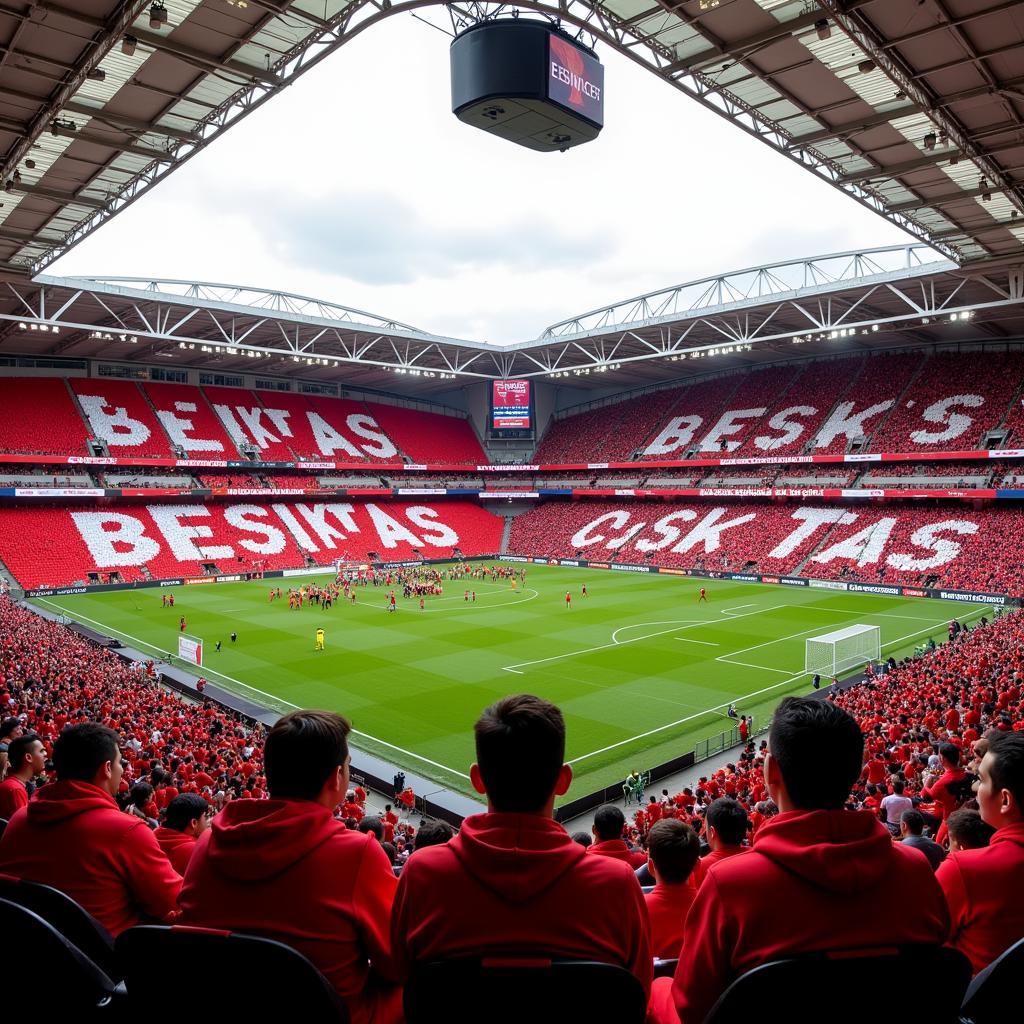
column 641, row 670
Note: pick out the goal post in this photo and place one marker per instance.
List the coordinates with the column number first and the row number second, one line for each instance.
column 842, row 650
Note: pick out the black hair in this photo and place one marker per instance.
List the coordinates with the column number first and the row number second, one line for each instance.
column 372, row 823
column 608, row 822
column 140, row 794
column 520, row 749
column 583, row 838
column 674, row 848
column 19, row 748
column 1007, row 771
column 183, row 810
column 969, row 829
column 914, row 820
column 302, row 750
column 729, row 820
column 819, row 750
column 82, row 750
column 950, row 752
column 433, row 833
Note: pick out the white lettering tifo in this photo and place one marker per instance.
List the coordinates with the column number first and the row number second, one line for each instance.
column 196, row 533
column 574, row 81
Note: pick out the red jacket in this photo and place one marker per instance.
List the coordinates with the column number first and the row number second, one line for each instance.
column 618, row 850
column 13, row 796
column 514, row 884
column 178, row 847
column 667, row 907
column 287, row 870
column 985, row 892
column 850, row 885
column 73, row 836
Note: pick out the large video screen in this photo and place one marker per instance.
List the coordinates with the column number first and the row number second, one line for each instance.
column 510, row 405
column 575, row 80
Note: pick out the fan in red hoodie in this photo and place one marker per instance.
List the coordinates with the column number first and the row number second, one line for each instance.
column 673, row 848
column 609, row 823
column 512, row 882
column 73, row 836
column 186, row 818
column 286, row 869
column 26, row 757
column 985, row 888
column 850, row 885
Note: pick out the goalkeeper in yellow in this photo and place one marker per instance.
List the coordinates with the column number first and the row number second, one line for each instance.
column 319, row 639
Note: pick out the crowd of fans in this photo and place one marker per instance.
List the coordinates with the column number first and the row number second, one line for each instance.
column 886, row 814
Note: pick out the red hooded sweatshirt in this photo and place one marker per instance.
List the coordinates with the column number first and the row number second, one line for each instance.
column 618, row 849
column 73, row 836
column 178, row 847
column 985, row 892
column 285, row 869
column 517, row 884
column 852, row 888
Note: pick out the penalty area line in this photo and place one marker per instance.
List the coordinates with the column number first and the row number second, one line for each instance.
column 745, row 697
column 254, row 689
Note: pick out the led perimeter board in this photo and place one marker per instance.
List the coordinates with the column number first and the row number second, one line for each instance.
column 510, row 405
column 528, row 82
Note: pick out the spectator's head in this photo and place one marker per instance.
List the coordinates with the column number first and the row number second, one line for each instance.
column 949, row 754
column 608, row 823
column 89, row 753
column 140, row 794
column 911, row 823
column 583, row 838
column 433, row 833
column 188, row 813
column 967, row 830
column 391, row 852
column 10, row 729
column 372, row 823
column 520, row 753
column 815, row 755
column 306, row 757
column 898, row 786
column 26, row 756
column 1000, row 786
column 727, row 823
column 672, row 851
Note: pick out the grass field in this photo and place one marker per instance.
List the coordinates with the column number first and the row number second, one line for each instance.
column 640, row 669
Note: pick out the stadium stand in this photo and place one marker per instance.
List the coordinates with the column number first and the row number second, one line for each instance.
column 119, row 415
column 951, row 403
column 953, row 546
column 191, row 424
column 427, row 436
column 39, row 417
column 60, row 546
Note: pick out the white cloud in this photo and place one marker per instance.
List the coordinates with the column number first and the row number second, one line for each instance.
column 358, row 185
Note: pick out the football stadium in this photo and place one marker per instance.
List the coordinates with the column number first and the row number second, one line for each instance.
column 629, row 667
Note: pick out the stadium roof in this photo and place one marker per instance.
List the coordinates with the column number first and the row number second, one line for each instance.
column 875, row 300
column 912, row 108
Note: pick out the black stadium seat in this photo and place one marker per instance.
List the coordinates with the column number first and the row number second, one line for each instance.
column 996, row 988
column 851, row 987
column 522, row 990
column 289, row 978
column 50, row 976
column 71, row 920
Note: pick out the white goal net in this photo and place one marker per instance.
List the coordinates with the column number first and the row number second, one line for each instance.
column 842, row 650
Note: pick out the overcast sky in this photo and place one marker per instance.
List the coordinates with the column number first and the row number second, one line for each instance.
column 358, row 185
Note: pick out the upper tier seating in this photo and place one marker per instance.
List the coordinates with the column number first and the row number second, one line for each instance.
column 119, row 414
column 190, row 422
column 60, row 546
column 906, row 402
column 38, row 416
column 428, row 436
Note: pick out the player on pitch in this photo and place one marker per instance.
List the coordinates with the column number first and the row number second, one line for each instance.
column 703, row 595
column 320, row 639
